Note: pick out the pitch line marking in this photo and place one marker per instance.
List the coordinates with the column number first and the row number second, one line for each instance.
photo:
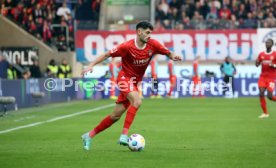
column 57, row 118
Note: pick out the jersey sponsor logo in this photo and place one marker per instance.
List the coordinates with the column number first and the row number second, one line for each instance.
column 141, row 61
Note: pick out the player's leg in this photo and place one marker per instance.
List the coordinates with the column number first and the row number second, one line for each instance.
column 109, row 120
column 263, row 102
column 112, row 89
column 172, row 85
column 201, row 91
column 270, row 96
column 140, row 90
column 232, row 85
column 270, row 89
column 104, row 124
column 194, row 79
column 154, row 88
column 156, row 83
column 135, row 103
column 226, row 82
column 263, row 85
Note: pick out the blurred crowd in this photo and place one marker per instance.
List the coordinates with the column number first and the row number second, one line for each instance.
column 49, row 20
column 215, row 14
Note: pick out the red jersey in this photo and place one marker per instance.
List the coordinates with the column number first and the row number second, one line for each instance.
column 135, row 60
column 266, row 59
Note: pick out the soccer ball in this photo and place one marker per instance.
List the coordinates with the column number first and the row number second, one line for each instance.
column 136, row 142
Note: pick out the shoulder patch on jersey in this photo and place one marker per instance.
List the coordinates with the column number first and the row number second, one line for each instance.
column 113, row 50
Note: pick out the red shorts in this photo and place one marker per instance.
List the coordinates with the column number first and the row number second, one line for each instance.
column 126, row 85
column 173, row 79
column 267, row 82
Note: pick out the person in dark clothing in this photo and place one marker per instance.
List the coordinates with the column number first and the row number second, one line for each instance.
column 35, row 70
column 4, row 65
column 19, row 68
column 228, row 69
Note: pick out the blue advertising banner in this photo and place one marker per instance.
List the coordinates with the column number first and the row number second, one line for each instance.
column 62, row 90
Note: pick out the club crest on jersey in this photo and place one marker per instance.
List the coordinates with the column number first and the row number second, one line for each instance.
column 141, row 61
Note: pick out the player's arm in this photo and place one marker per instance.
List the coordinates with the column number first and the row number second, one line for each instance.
column 160, row 49
column 258, row 61
column 174, row 57
column 98, row 60
column 115, row 52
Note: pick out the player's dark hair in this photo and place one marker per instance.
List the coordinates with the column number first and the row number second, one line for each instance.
column 271, row 40
column 144, row 25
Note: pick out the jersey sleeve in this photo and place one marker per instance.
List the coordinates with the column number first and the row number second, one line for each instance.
column 159, row 48
column 259, row 57
column 119, row 51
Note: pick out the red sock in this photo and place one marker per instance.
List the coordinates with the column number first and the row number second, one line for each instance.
column 263, row 104
column 104, row 124
column 170, row 92
column 274, row 98
column 131, row 112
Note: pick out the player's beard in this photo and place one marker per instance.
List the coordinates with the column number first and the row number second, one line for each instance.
column 144, row 40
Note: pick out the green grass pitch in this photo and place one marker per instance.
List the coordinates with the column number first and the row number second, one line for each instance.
column 201, row 133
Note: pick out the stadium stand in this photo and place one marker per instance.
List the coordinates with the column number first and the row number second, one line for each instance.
column 215, row 14
column 52, row 21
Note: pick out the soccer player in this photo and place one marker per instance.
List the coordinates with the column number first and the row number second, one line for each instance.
column 136, row 55
column 196, row 77
column 154, row 78
column 172, row 78
column 267, row 78
column 114, row 73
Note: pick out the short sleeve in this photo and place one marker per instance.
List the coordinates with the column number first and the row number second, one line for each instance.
column 159, row 48
column 119, row 51
column 259, row 57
